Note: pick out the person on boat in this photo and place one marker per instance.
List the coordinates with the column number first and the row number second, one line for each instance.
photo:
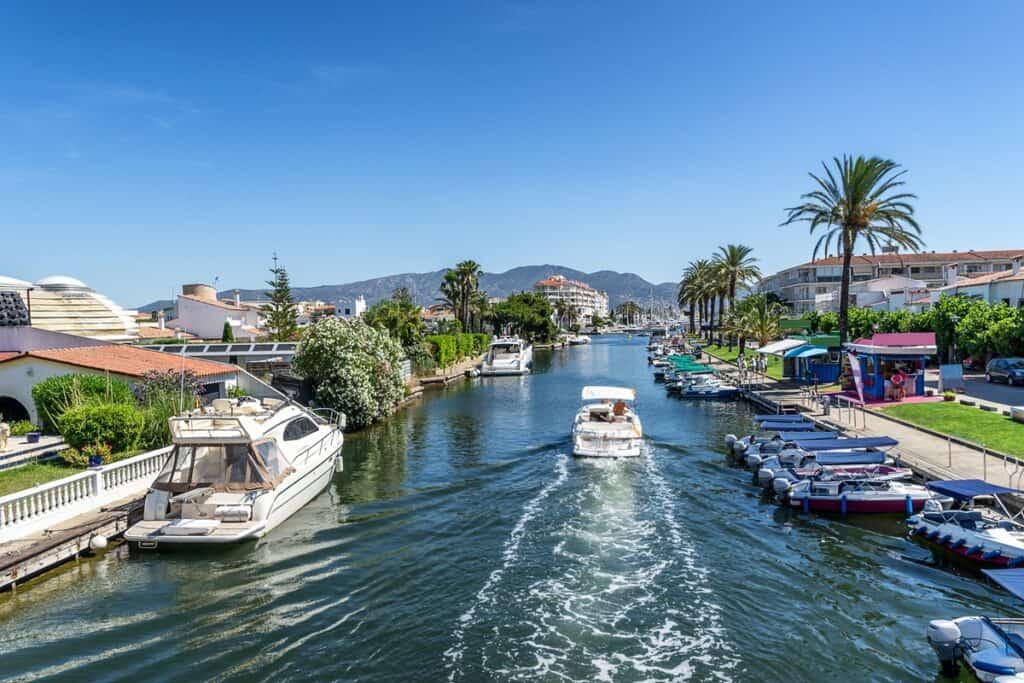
column 619, row 409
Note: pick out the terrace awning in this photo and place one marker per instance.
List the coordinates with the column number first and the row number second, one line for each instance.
column 1010, row 579
column 781, row 346
column 966, row 489
column 806, row 352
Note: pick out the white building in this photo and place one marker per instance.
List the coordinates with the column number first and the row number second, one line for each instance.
column 63, row 304
column 587, row 300
column 801, row 285
column 891, row 293
column 200, row 313
column 1006, row 287
column 351, row 310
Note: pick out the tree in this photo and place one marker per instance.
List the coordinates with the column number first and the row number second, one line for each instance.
column 527, row 314
column 399, row 317
column 860, row 201
column 628, row 312
column 228, row 335
column 459, row 289
column 281, row 312
column 354, row 368
column 695, row 289
column 736, row 265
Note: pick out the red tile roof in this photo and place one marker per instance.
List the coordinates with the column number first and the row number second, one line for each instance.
column 7, row 355
column 923, row 257
column 125, row 360
column 560, row 281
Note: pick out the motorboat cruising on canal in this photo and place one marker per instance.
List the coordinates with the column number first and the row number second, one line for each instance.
column 507, row 356
column 238, row 468
column 579, row 340
column 870, row 495
column 607, row 426
column 979, row 528
column 993, row 649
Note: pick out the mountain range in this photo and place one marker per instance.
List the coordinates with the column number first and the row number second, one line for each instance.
column 424, row 287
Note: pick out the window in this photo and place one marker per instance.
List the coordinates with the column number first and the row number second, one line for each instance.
column 299, row 428
column 272, row 459
column 221, row 466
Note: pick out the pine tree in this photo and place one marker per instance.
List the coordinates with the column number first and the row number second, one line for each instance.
column 281, row 313
column 228, row 335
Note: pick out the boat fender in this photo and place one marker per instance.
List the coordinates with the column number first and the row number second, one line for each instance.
column 945, row 539
column 945, row 638
column 958, row 543
column 933, row 535
column 921, row 531
column 842, row 504
column 975, row 549
column 1015, row 561
column 992, row 554
column 910, row 505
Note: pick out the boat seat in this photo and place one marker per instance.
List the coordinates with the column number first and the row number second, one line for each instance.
column 1017, row 640
column 994, row 661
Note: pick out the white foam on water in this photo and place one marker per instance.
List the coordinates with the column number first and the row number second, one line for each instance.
column 485, row 596
column 607, row 605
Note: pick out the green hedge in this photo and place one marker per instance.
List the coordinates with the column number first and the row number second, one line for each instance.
column 117, row 424
column 54, row 395
column 448, row 349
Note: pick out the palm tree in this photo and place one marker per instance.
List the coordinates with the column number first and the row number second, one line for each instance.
column 459, row 289
column 693, row 289
column 858, row 202
column 737, row 266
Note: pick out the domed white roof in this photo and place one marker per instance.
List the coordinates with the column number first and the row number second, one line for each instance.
column 14, row 282
column 60, row 281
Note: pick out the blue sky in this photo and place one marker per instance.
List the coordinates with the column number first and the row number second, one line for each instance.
column 143, row 145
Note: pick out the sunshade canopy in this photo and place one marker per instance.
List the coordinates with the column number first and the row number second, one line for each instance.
column 1010, row 579
column 965, row 489
column 806, row 352
column 781, row 346
column 806, row 436
column 608, row 394
column 835, row 444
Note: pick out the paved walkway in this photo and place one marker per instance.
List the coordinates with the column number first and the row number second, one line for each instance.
column 1002, row 396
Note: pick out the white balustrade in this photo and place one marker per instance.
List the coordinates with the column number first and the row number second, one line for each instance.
column 41, row 507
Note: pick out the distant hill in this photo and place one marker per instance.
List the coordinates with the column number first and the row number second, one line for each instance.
column 424, row 287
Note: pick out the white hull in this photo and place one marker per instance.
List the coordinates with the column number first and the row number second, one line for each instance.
column 611, row 448
column 507, row 364
column 603, row 431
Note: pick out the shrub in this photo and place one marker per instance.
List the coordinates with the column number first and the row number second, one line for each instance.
column 22, row 427
column 117, row 424
column 463, row 346
column 443, row 348
column 480, row 342
column 80, row 458
column 354, row 368
column 55, row 395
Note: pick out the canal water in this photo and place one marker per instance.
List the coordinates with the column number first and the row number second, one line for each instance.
column 463, row 543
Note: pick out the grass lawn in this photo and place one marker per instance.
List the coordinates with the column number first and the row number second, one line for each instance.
column 987, row 429
column 27, row 476
column 723, row 353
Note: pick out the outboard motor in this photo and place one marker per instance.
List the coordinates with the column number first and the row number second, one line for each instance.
column 730, row 441
column 765, row 477
column 781, row 486
column 753, row 461
column 944, row 637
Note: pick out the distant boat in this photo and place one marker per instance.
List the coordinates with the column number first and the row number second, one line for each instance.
column 507, row 356
column 579, row 340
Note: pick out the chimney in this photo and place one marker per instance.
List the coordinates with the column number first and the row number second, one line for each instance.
column 951, row 274
column 238, row 298
column 161, row 319
column 1016, row 266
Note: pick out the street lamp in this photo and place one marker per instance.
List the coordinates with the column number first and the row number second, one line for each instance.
column 953, row 318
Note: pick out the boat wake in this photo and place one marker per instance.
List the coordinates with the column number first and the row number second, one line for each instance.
column 591, row 594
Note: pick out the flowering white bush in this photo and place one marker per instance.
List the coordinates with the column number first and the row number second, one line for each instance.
column 354, row 368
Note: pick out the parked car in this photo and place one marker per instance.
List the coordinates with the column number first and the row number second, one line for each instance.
column 970, row 363
column 1009, row 370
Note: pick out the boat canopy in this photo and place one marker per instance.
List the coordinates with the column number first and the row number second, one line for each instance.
column 1010, row 579
column 806, row 436
column 839, row 458
column 788, row 426
column 836, row 444
column 608, row 394
column 966, row 489
column 772, row 417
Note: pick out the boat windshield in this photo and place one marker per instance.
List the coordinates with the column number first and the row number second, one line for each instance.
column 224, row 467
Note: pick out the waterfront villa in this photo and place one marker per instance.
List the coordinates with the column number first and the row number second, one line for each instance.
column 200, row 313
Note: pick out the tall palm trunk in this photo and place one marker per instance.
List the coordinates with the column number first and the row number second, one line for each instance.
column 844, row 292
column 711, row 319
column 721, row 310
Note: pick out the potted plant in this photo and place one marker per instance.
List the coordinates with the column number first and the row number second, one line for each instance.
column 948, row 395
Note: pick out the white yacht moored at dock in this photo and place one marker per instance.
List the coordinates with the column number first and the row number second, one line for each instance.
column 237, row 470
column 507, row 356
column 605, row 429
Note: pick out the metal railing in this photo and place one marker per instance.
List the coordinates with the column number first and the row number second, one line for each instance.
column 36, row 509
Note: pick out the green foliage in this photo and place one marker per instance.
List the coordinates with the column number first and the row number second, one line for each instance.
column 421, row 357
column 80, row 457
column 55, row 395
column 481, row 341
column 281, row 312
column 228, row 334
column 22, row 427
column 460, row 289
column 399, row 317
column 118, row 424
column 444, row 348
column 354, row 368
column 236, row 391
column 527, row 314
column 813, row 319
column 828, row 322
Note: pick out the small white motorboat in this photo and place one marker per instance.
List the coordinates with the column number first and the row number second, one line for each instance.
column 607, row 426
column 579, row 340
column 507, row 356
column 238, row 469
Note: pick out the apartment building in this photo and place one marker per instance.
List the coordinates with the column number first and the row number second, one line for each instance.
column 587, row 300
column 813, row 285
